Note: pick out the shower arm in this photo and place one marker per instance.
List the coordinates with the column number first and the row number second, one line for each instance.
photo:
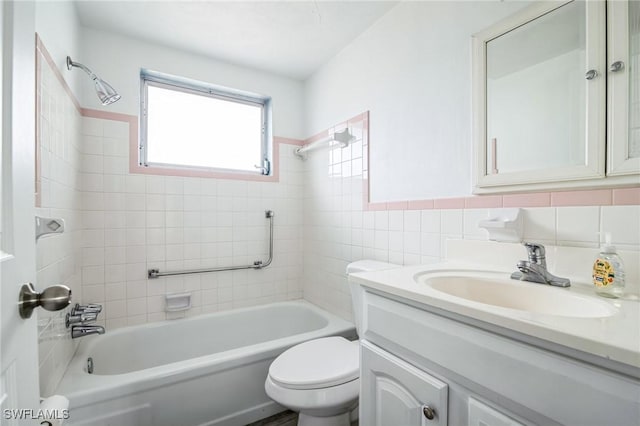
column 71, row 64
column 344, row 138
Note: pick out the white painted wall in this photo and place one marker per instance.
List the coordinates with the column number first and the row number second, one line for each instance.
column 58, row 26
column 412, row 70
column 118, row 60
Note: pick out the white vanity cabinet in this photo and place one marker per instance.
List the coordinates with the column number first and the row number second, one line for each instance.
column 472, row 373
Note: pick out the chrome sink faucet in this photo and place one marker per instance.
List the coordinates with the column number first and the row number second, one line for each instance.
column 535, row 269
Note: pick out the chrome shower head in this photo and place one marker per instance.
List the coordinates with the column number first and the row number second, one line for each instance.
column 105, row 92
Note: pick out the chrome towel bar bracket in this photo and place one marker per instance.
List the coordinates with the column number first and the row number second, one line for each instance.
column 258, row 264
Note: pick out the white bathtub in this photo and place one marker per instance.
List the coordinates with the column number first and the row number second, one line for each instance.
column 205, row 370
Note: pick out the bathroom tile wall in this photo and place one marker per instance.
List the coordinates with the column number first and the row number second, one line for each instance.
column 338, row 230
column 58, row 256
column 134, row 222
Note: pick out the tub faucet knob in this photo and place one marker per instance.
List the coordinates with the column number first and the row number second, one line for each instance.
column 80, row 318
column 85, row 309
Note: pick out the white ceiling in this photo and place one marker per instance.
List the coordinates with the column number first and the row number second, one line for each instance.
column 290, row 38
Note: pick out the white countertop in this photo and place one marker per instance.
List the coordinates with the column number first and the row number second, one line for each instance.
column 615, row 337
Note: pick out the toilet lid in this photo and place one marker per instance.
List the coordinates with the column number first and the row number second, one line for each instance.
column 319, row 363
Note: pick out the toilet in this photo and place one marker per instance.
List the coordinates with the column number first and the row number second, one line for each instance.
column 320, row 378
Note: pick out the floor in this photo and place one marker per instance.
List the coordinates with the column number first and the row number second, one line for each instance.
column 286, row 418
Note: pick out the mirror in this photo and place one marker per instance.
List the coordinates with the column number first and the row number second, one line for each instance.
column 536, row 93
column 539, row 114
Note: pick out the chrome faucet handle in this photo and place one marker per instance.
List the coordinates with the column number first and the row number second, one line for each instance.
column 80, row 318
column 90, row 308
column 536, row 253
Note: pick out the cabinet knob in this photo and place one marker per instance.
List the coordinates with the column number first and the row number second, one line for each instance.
column 591, row 74
column 616, row 66
column 428, row 412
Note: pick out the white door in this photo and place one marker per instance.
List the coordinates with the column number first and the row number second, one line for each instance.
column 18, row 337
column 623, row 80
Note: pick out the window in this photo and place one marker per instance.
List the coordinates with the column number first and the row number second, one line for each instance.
column 195, row 125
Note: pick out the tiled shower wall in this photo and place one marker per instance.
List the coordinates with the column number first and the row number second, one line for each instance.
column 338, row 228
column 118, row 225
column 58, row 256
column 135, row 222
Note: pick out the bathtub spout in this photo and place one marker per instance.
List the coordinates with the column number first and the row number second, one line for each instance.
column 85, row 330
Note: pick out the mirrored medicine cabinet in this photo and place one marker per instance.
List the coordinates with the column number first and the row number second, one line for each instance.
column 556, row 99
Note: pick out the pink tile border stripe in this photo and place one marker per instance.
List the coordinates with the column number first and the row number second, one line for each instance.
column 598, row 197
column 132, row 121
column 626, row 196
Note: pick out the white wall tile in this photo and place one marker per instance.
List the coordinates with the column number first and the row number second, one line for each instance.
column 451, row 222
column 430, row 221
column 396, row 241
column 60, row 259
column 540, row 224
column 412, row 220
column 381, row 220
column 135, row 184
column 578, row 225
column 396, row 220
column 623, row 222
column 471, row 218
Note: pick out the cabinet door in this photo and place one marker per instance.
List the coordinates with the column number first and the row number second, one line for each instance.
column 482, row 415
column 623, row 87
column 395, row 393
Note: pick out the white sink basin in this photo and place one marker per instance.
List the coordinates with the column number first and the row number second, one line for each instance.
column 497, row 289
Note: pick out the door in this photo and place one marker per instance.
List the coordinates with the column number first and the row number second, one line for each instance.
column 18, row 337
column 395, row 393
column 623, row 81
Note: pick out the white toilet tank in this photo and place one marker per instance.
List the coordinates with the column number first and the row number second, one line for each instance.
column 356, row 290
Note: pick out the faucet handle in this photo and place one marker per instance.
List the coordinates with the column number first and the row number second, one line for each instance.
column 86, row 309
column 536, row 253
column 80, row 318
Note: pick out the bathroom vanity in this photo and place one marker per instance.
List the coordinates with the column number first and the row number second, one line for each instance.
column 432, row 358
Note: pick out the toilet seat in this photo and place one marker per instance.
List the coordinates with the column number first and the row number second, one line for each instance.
column 317, row 364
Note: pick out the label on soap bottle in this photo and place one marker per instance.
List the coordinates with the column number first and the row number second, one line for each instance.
column 603, row 273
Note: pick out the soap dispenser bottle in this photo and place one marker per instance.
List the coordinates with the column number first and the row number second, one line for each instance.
column 608, row 271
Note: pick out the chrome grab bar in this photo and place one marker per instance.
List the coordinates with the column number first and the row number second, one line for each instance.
column 258, row 264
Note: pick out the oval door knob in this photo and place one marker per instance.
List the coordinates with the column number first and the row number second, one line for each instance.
column 616, row 66
column 53, row 298
column 428, row 412
column 591, row 74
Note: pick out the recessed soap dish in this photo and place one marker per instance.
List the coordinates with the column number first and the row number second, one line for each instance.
column 504, row 225
column 177, row 302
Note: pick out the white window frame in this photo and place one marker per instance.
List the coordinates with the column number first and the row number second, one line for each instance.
column 186, row 85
